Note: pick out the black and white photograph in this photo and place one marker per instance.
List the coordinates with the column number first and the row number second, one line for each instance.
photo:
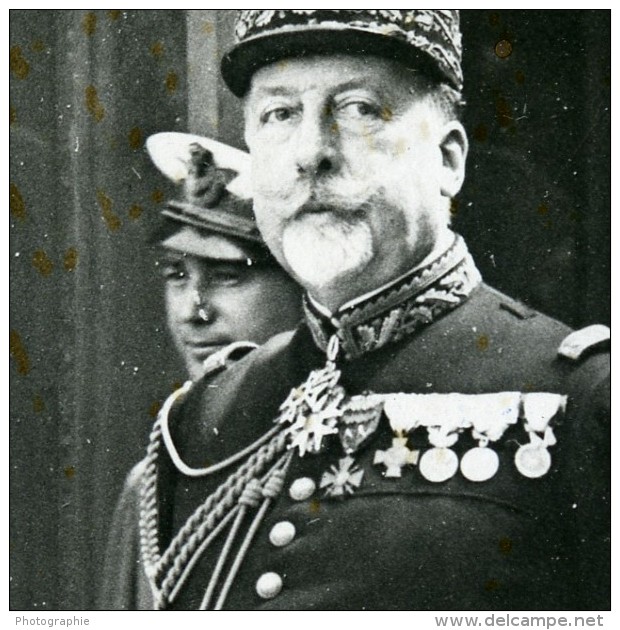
column 310, row 311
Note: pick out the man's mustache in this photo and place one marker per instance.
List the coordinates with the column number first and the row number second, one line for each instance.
column 315, row 196
column 333, row 199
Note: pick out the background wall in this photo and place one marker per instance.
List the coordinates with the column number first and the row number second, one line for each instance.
column 90, row 359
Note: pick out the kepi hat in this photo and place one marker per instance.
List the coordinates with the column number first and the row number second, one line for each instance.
column 214, row 218
column 425, row 39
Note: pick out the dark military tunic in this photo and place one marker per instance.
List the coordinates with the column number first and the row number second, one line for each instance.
column 124, row 585
column 510, row 542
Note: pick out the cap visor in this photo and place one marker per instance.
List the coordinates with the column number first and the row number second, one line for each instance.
column 189, row 240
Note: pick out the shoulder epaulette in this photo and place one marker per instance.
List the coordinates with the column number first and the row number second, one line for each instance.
column 223, row 358
column 518, row 309
column 579, row 342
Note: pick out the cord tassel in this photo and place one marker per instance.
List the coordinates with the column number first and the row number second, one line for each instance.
column 198, row 553
column 273, row 487
column 249, row 498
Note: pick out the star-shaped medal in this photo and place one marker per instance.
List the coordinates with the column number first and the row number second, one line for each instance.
column 308, row 430
column 310, row 394
column 345, row 477
column 313, row 409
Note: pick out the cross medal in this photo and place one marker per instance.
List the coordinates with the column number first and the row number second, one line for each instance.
column 313, row 408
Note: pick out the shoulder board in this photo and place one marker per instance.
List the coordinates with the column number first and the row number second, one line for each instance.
column 580, row 342
column 223, row 358
column 518, row 309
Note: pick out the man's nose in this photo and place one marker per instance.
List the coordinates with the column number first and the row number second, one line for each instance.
column 198, row 307
column 317, row 143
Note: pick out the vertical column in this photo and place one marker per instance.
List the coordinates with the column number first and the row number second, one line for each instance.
column 212, row 110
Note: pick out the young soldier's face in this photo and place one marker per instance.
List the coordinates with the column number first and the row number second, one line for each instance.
column 349, row 169
column 212, row 303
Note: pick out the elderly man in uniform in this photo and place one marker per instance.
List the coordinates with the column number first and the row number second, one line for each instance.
column 421, row 441
column 225, row 294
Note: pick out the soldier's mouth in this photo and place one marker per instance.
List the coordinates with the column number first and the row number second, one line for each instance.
column 203, row 349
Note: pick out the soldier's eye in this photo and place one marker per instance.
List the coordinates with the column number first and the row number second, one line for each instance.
column 173, row 272
column 277, row 115
column 226, row 277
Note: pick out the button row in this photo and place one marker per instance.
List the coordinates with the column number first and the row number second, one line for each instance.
column 270, row 584
column 282, row 533
column 302, row 489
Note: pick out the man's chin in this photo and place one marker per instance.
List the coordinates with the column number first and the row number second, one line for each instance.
column 319, row 280
column 324, row 259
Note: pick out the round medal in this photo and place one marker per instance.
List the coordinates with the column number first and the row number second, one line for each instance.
column 479, row 464
column 532, row 460
column 438, row 464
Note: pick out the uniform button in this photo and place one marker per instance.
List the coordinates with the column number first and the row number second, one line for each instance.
column 268, row 585
column 282, row 533
column 302, row 488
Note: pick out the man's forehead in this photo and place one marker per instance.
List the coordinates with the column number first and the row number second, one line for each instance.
column 338, row 72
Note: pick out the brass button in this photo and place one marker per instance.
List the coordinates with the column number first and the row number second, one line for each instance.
column 282, row 533
column 302, row 488
column 268, row 585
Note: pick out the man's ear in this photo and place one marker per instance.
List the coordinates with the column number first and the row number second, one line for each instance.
column 454, row 146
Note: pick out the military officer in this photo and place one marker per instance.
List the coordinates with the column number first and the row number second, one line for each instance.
column 421, row 441
column 222, row 285
column 225, row 294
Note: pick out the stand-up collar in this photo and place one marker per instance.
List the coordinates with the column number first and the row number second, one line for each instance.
column 399, row 308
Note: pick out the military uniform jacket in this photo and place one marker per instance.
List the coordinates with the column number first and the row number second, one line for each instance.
column 351, row 528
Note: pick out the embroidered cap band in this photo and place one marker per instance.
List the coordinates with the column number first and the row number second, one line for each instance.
column 428, row 40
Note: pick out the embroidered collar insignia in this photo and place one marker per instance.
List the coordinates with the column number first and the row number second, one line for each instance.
column 401, row 308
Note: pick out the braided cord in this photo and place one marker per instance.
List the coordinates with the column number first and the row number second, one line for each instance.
column 154, row 563
column 206, row 517
column 148, row 505
column 250, row 497
column 148, row 521
column 272, row 488
column 203, row 472
column 197, row 555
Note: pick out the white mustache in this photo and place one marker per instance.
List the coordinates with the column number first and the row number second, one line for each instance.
column 339, row 193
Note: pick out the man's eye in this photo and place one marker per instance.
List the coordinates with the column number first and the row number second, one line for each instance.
column 277, row 114
column 225, row 278
column 173, row 273
column 359, row 110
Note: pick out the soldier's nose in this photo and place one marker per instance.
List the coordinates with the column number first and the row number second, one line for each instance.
column 198, row 308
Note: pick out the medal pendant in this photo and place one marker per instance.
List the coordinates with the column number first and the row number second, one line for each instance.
column 479, row 464
column 313, row 408
column 533, row 460
column 342, row 479
column 396, row 457
column 438, row 464
column 359, row 421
